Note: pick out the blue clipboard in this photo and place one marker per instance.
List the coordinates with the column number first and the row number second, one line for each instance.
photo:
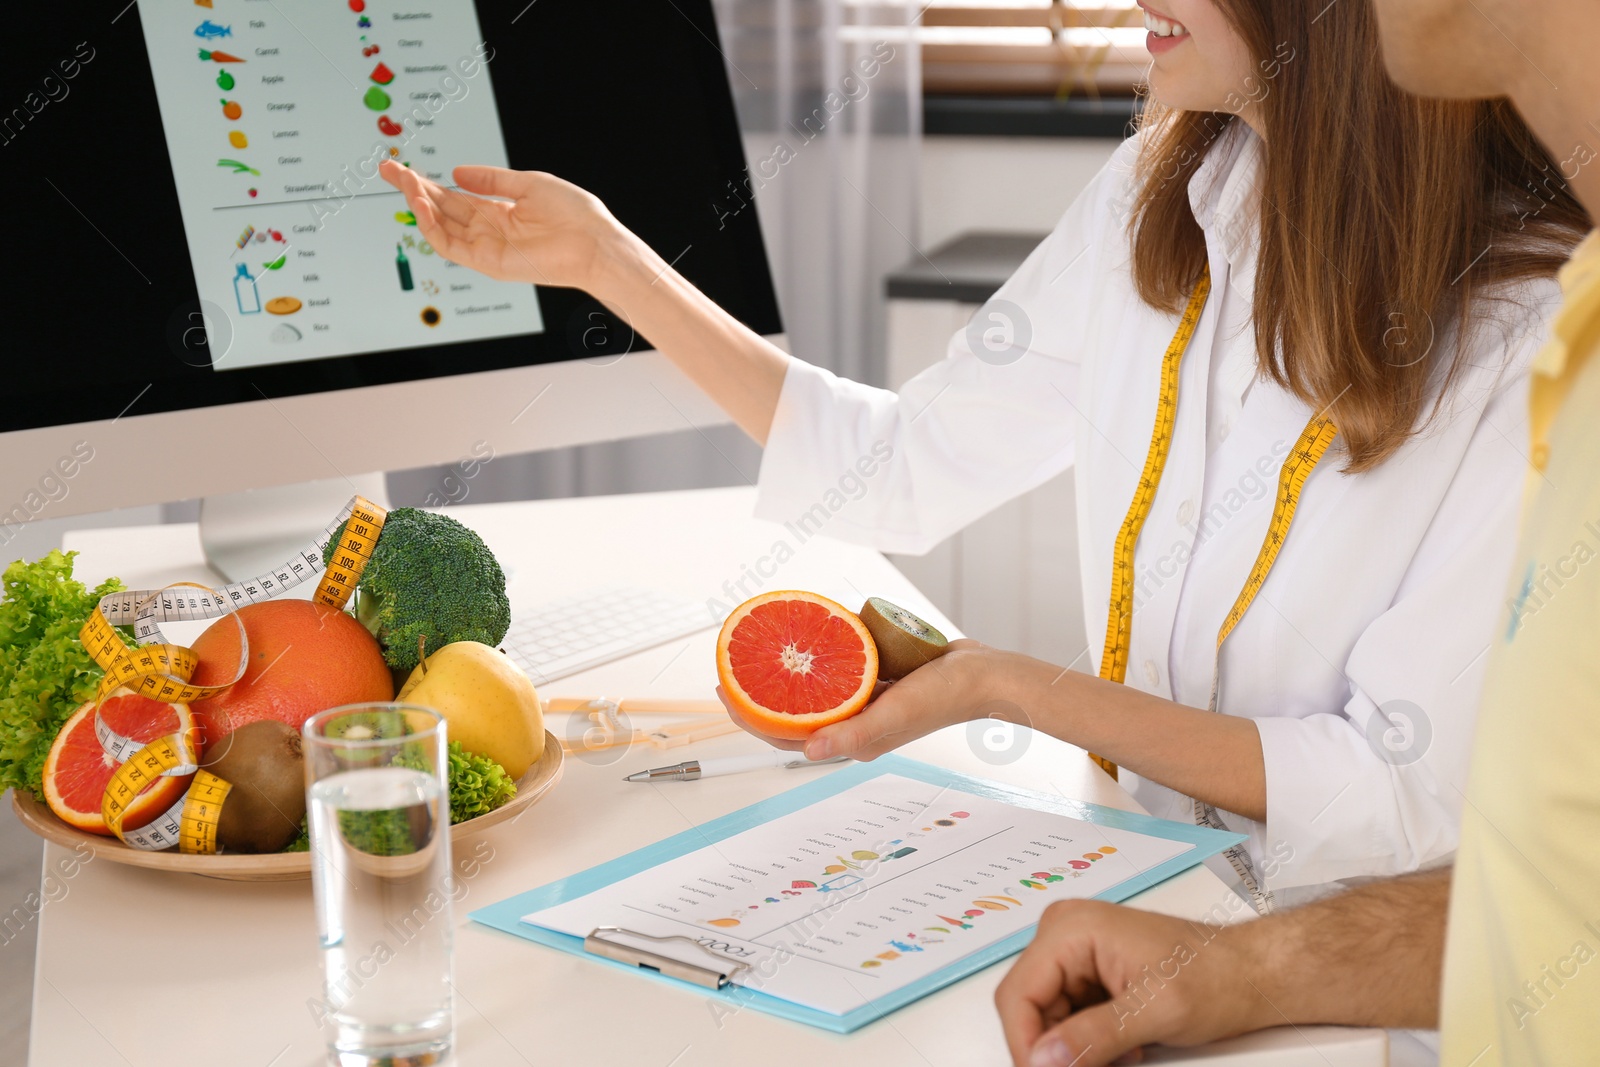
column 507, row 914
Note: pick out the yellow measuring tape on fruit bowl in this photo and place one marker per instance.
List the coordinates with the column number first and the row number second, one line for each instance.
column 157, row 669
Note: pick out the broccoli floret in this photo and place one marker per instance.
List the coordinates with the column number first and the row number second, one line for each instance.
column 429, row 577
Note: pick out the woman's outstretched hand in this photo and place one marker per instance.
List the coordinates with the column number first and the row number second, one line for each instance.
column 949, row 690
column 545, row 231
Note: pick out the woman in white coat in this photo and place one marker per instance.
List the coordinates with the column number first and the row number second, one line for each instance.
column 1291, row 258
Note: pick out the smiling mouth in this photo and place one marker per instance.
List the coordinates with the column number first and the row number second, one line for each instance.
column 1163, row 27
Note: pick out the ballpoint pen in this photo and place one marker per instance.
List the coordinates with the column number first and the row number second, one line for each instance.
column 689, row 770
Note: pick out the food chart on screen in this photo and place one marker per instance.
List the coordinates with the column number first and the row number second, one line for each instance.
column 277, row 113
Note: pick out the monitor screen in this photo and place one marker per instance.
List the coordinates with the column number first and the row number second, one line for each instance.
column 195, row 205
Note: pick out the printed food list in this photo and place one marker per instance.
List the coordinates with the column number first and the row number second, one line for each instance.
column 277, row 114
column 869, row 890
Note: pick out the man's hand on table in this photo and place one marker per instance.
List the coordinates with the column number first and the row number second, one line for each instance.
column 1100, row 981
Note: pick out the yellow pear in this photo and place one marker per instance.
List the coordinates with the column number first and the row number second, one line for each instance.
column 490, row 704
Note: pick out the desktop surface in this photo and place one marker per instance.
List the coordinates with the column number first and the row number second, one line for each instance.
column 241, row 960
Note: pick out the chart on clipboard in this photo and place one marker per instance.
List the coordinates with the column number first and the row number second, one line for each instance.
column 868, row 892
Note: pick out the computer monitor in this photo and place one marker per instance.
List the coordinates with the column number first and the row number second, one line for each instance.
column 211, row 291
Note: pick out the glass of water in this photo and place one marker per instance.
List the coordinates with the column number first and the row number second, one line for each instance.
column 378, row 809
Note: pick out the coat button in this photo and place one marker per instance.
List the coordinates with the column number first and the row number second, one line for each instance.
column 1185, row 512
column 1151, row 673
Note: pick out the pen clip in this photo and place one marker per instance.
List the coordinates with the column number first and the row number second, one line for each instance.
column 632, row 955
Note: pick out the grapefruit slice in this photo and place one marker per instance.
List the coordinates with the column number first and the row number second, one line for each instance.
column 794, row 662
column 77, row 769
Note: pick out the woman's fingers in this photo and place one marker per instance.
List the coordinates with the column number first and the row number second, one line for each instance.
column 887, row 722
column 441, row 232
column 494, row 181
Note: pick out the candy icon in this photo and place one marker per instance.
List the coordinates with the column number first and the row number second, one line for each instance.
column 376, row 98
column 388, row 127
column 382, row 74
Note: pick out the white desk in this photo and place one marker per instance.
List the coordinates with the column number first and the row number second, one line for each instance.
column 518, row 1003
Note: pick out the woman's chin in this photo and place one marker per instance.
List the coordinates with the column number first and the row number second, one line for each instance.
column 1171, row 89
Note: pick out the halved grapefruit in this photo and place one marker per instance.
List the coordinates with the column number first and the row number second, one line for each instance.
column 794, row 662
column 77, row 769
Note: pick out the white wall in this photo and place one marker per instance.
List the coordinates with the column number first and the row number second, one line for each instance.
column 1011, row 578
column 1018, row 184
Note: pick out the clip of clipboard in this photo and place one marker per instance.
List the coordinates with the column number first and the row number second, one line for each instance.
column 710, row 977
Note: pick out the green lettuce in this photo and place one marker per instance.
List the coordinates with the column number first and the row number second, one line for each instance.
column 45, row 674
column 478, row 784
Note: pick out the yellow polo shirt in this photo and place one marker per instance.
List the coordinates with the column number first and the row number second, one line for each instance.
column 1522, row 965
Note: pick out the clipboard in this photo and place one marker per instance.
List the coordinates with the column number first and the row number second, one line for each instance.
column 710, row 974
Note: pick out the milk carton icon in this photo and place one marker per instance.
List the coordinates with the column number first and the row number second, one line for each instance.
column 245, row 293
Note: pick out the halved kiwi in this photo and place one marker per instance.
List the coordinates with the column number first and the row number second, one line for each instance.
column 905, row 642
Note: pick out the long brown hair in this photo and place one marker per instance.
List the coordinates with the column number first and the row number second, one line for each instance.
column 1384, row 218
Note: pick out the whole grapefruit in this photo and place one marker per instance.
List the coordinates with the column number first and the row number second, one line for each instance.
column 305, row 657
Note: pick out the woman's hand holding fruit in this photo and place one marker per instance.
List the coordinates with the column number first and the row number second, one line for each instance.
column 954, row 688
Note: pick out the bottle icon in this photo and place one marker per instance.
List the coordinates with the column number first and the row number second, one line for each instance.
column 403, row 265
column 245, row 293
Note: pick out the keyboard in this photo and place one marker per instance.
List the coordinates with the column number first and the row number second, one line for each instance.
column 573, row 634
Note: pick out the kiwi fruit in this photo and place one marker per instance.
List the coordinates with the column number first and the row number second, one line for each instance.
column 264, row 763
column 368, row 726
column 904, row 641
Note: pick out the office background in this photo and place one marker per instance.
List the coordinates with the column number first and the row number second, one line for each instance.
column 857, row 176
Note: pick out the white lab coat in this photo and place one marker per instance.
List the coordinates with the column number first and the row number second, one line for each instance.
column 1384, row 596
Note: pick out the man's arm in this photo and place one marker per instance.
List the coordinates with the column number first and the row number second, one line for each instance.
column 1100, row 980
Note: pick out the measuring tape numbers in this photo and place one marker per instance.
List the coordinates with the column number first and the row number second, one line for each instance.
column 162, row 671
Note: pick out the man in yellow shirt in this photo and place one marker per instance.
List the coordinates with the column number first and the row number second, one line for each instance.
column 1520, row 966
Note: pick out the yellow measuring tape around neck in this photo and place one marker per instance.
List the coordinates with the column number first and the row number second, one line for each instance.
column 1119, row 622
column 1314, row 441
column 163, row 671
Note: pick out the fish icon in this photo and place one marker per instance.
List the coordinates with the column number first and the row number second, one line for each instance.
column 209, row 29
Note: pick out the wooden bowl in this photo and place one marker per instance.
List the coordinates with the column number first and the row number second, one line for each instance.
column 277, row 866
